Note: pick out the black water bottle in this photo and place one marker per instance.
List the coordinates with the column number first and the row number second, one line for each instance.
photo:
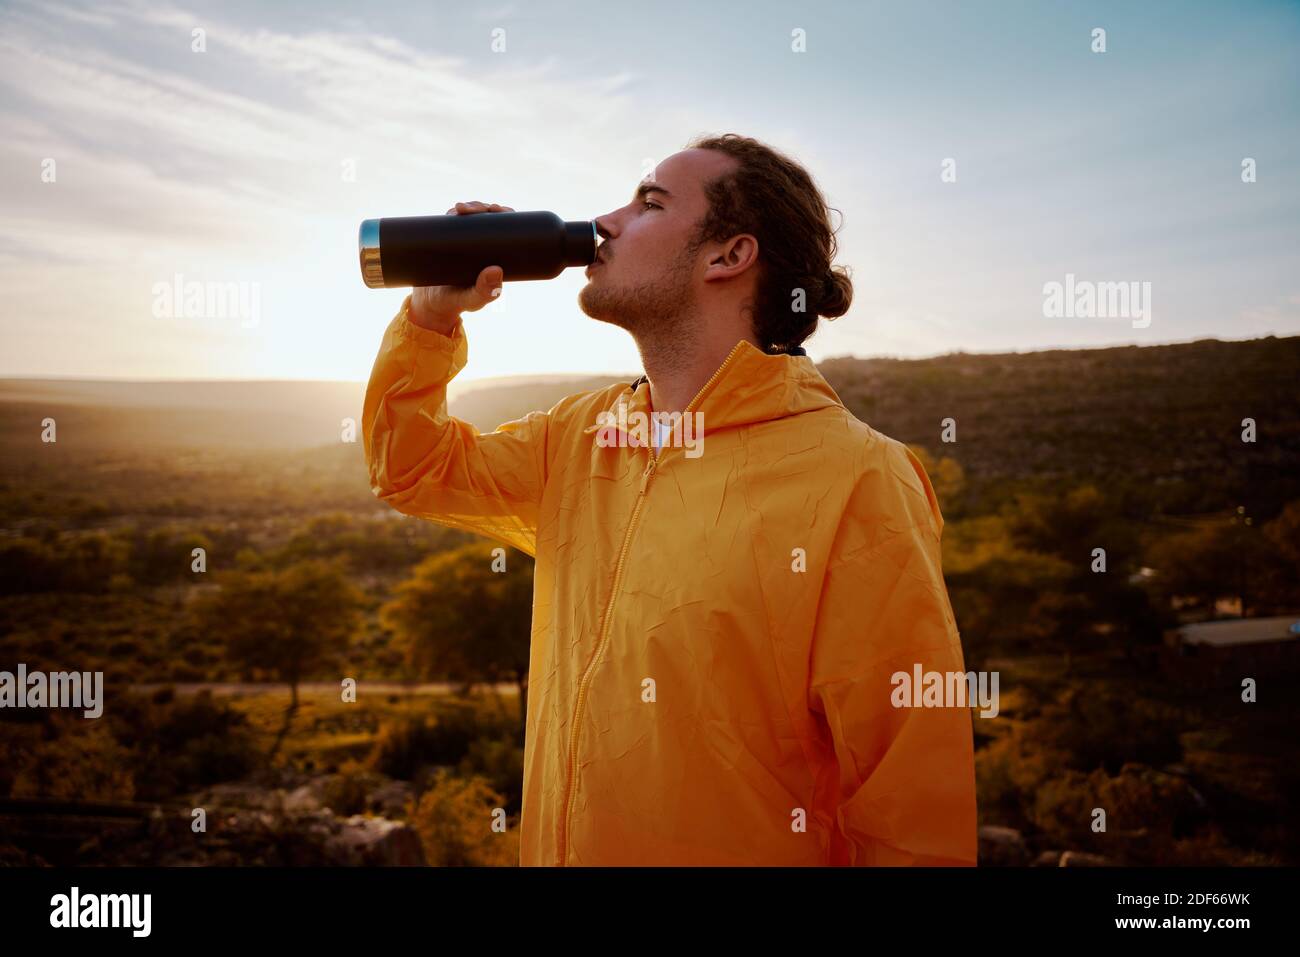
column 452, row 250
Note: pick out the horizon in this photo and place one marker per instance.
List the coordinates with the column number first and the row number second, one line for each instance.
column 465, row 384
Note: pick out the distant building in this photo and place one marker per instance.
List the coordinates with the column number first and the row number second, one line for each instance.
column 1234, row 648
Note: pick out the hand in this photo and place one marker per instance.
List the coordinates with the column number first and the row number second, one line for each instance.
column 439, row 307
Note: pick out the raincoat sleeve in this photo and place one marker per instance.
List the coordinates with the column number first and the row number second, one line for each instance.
column 905, row 775
column 426, row 463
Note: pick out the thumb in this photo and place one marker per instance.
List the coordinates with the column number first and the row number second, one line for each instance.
column 490, row 282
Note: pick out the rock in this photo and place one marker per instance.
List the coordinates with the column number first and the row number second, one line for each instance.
column 376, row 841
column 390, row 799
column 278, row 822
column 303, row 799
column 1001, row 847
column 237, row 795
column 1083, row 859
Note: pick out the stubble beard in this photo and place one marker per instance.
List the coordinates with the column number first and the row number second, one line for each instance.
column 655, row 308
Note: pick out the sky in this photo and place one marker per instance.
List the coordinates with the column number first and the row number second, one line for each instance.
column 130, row 157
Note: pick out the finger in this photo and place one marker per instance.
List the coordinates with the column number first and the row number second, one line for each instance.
column 489, row 282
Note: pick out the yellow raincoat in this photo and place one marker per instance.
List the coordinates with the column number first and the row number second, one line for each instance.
column 714, row 635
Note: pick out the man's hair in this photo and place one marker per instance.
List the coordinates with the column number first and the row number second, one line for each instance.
column 771, row 197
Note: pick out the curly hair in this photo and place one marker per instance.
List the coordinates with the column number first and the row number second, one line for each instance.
column 773, row 198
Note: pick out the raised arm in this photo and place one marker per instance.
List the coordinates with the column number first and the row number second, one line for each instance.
column 424, row 462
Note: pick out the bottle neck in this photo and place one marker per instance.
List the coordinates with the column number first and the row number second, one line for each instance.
column 580, row 240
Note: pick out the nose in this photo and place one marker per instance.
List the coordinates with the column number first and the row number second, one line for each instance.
column 606, row 229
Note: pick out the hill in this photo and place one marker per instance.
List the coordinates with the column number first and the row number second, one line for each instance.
column 1160, row 424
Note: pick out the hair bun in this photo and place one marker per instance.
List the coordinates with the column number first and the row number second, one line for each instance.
column 837, row 293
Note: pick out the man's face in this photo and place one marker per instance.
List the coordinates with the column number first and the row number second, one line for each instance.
column 647, row 275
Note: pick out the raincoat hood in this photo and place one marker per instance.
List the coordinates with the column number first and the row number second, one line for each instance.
column 750, row 386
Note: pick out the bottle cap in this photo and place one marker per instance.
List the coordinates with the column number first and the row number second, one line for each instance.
column 372, row 268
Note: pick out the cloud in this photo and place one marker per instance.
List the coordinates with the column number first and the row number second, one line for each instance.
column 201, row 145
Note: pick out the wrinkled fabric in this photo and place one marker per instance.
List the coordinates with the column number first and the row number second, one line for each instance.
column 713, row 638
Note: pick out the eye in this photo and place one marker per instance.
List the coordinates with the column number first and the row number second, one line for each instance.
column 649, row 205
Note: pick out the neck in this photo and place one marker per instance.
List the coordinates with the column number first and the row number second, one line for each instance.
column 678, row 368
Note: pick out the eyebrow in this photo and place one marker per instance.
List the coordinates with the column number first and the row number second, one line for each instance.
column 646, row 188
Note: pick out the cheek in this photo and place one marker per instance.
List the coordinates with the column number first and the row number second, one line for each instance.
column 649, row 250
column 647, row 247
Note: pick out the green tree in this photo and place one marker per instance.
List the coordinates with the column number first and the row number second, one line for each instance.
column 1069, row 527
column 456, row 618
column 284, row 622
column 1279, row 584
column 1227, row 557
column 947, row 478
column 1003, row 594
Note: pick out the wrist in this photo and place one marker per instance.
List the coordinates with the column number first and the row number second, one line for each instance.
column 444, row 323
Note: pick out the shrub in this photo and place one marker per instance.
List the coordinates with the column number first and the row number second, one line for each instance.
column 454, row 819
column 1147, row 812
column 346, row 792
column 501, row 763
column 181, row 743
column 82, row 762
column 1103, row 729
column 28, row 565
column 403, row 748
column 1007, row 775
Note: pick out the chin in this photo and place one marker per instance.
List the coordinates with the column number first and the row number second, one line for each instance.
column 597, row 307
column 589, row 301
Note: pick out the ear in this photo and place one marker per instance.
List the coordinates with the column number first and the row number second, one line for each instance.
column 732, row 258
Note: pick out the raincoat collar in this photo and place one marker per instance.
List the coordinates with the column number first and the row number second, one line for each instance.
column 749, row 386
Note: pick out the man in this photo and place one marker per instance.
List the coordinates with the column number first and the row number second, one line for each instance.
column 716, row 627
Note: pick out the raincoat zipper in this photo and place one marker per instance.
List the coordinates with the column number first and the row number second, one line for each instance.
column 583, row 682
